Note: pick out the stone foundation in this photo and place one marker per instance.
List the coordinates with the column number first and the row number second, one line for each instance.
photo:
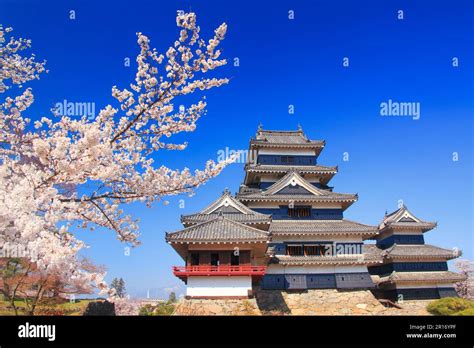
column 217, row 307
column 309, row 302
column 318, row 302
column 411, row 307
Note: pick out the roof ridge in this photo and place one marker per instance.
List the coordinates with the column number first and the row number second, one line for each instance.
column 209, row 209
column 397, row 215
column 280, row 131
column 309, row 187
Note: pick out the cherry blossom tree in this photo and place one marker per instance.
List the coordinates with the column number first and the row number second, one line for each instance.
column 465, row 288
column 60, row 172
column 21, row 278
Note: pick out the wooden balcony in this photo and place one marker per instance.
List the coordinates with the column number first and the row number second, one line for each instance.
column 221, row 271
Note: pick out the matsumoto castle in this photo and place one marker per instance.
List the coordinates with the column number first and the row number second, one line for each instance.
column 285, row 230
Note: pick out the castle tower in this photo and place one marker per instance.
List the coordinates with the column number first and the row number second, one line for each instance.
column 411, row 269
column 312, row 245
column 223, row 247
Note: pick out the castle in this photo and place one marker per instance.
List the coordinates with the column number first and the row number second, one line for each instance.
column 285, row 229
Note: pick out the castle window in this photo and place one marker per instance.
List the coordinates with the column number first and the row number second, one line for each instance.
column 295, row 250
column 299, row 212
column 315, row 250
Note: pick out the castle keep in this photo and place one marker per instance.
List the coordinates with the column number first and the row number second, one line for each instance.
column 285, row 230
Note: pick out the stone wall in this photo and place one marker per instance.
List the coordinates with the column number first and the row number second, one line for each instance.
column 217, row 307
column 318, row 302
column 309, row 302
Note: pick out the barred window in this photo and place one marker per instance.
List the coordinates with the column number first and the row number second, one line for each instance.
column 299, row 212
column 315, row 250
column 295, row 250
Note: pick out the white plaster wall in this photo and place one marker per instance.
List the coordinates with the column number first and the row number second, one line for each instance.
column 421, row 285
column 269, row 177
column 445, row 285
column 219, row 286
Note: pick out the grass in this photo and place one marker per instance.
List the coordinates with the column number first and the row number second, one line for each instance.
column 45, row 308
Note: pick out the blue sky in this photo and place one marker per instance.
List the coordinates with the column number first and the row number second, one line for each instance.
column 284, row 62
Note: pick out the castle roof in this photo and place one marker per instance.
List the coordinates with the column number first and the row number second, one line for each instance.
column 402, row 218
column 425, row 277
column 248, row 219
column 218, row 230
column 319, row 260
column 425, row 251
column 231, row 208
column 324, row 173
column 303, row 191
column 285, row 139
column 321, row 227
column 267, row 168
column 372, row 253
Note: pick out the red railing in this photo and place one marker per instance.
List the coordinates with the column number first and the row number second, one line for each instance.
column 202, row 270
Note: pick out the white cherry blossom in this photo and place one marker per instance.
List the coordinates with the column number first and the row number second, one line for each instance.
column 60, row 171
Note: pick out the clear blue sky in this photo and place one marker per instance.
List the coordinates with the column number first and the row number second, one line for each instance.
column 284, row 62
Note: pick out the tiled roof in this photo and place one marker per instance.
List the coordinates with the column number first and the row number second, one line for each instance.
column 292, row 178
column 373, row 253
column 400, row 251
column 430, row 277
column 330, row 197
column 329, row 227
column 402, row 218
column 228, row 206
column 242, row 218
column 226, row 200
column 284, row 137
column 425, row 226
column 218, row 230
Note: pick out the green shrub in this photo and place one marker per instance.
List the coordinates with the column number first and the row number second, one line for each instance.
column 469, row 311
column 164, row 309
column 449, row 306
column 146, row 310
column 159, row 309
